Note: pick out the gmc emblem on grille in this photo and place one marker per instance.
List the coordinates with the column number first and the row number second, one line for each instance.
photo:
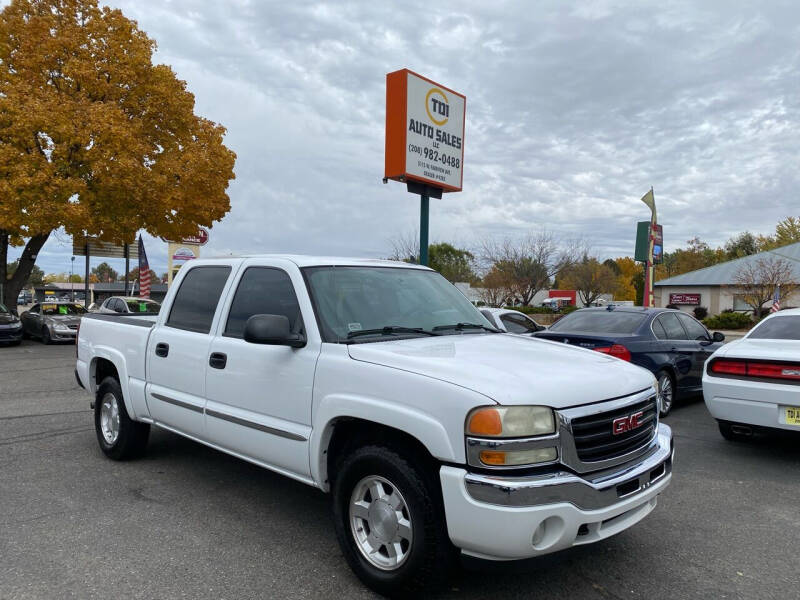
column 628, row 423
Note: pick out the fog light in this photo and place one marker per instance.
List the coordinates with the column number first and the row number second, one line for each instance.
column 517, row 458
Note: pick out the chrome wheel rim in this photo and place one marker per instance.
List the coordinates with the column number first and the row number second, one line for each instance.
column 109, row 418
column 665, row 393
column 380, row 523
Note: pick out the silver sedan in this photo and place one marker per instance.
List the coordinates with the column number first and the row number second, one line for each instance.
column 52, row 321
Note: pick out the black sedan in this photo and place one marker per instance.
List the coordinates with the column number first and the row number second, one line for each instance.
column 671, row 344
column 10, row 327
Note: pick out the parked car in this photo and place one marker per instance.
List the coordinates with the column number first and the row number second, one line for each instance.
column 10, row 326
column 512, row 321
column 669, row 343
column 754, row 382
column 53, row 321
column 129, row 304
column 380, row 383
column 24, row 298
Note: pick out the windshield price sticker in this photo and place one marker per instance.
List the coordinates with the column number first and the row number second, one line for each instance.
column 424, row 131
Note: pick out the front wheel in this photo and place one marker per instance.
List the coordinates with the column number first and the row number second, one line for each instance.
column 46, row 339
column 119, row 436
column 390, row 522
column 666, row 393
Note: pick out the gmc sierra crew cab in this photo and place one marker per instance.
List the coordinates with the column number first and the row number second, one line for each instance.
column 379, row 382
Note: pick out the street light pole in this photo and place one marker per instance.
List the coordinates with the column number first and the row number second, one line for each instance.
column 71, row 282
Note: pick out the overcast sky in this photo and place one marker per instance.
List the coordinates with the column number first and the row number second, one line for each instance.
column 573, row 111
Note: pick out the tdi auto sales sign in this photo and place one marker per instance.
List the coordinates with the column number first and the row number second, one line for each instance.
column 424, row 131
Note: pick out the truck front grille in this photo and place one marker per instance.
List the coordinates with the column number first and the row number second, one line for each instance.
column 594, row 435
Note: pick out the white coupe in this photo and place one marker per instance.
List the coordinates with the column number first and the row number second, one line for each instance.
column 754, row 382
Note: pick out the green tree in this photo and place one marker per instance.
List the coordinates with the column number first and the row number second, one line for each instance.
column 94, row 138
column 105, row 273
column 741, row 245
column 590, row 278
column 36, row 276
column 453, row 263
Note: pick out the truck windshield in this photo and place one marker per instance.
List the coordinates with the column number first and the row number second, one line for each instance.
column 388, row 302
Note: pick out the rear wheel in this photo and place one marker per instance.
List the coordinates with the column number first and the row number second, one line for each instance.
column 666, row 393
column 390, row 522
column 119, row 436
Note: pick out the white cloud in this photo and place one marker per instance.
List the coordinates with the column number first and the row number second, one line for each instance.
column 574, row 111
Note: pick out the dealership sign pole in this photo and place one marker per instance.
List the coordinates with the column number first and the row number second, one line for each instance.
column 184, row 250
column 654, row 246
column 424, row 141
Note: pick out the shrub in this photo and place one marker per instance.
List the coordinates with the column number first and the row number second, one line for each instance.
column 568, row 309
column 729, row 320
column 700, row 312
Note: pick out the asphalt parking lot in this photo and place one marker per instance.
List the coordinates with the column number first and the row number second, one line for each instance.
column 189, row 522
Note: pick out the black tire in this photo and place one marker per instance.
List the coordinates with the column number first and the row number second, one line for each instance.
column 726, row 429
column 431, row 555
column 46, row 339
column 131, row 439
column 25, row 335
column 664, row 376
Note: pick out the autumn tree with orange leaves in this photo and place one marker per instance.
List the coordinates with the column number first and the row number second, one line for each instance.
column 94, row 137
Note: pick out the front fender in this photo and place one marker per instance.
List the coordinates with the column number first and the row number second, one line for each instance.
column 427, row 430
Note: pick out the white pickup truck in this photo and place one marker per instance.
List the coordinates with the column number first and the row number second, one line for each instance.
column 380, row 383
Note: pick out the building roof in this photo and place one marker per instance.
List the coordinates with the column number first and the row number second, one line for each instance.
column 725, row 273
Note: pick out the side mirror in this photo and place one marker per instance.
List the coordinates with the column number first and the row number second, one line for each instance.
column 718, row 336
column 271, row 330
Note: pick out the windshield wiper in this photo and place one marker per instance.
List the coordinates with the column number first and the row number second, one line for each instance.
column 389, row 330
column 462, row 326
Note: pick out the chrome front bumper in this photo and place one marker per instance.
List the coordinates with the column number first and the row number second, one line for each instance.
column 591, row 491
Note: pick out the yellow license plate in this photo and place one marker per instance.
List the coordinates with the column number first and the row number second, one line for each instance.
column 793, row 415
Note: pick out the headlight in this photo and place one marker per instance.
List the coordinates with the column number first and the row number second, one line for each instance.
column 511, row 421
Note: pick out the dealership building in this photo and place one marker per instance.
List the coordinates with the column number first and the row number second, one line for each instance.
column 715, row 287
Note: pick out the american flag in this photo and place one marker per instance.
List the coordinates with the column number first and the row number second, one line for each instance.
column 144, row 271
column 776, row 301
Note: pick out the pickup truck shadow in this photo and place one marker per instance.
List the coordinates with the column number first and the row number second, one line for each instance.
column 270, row 512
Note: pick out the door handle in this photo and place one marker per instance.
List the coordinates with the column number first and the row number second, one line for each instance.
column 218, row 360
column 162, row 349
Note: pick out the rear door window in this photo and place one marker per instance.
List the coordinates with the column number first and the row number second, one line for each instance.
column 777, row 328
column 197, row 298
column 263, row 291
column 658, row 329
column 672, row 326
column 694, row 329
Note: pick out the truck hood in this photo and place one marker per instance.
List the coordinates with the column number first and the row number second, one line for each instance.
column 511, row 369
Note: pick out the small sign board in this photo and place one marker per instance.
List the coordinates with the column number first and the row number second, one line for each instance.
column 103, row 249
column 198, row 239
column 685, row 299
column 642, row 250
column 424, row 131
column 658, row 244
